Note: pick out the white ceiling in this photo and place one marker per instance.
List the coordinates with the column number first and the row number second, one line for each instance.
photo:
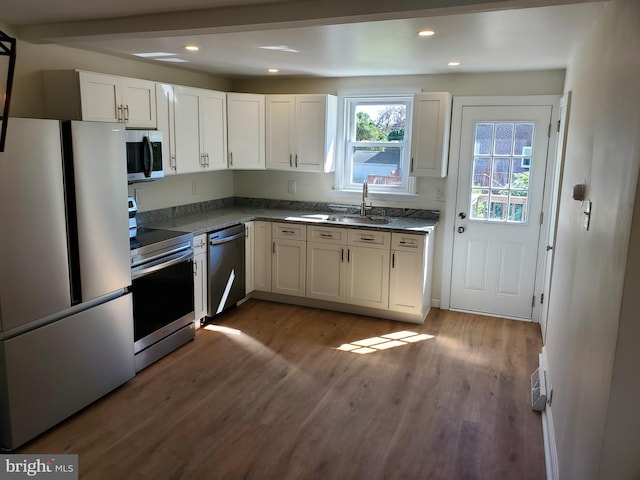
column 503, row 40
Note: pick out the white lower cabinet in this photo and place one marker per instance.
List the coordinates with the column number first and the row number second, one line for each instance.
column 288, row 266
column 326, row 263
column 262, row 256
column 249, row 258
column 200, row 277
column 408, row 276
column 361, row 269
column 368, row 268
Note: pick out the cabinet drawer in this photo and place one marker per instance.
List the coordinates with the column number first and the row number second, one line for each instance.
column 289, row 230
column 369, row 238
column 200, row 244
column 327, row 234
column 408, row 242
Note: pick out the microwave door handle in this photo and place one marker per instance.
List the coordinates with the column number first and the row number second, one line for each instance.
column 147, row 156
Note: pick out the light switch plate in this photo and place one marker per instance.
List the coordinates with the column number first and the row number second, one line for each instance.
column 587, row 214
column 291, row 186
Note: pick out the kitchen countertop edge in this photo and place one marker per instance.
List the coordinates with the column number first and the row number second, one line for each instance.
column 202, row 223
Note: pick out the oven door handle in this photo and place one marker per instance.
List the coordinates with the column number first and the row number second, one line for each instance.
column 164, row 262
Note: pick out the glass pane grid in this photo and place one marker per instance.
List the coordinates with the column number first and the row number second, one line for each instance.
column 501, row 167
column 377, row 149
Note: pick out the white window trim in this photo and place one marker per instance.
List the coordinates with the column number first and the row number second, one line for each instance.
column 376, row 191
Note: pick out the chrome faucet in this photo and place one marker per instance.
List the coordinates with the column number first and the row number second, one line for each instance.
column 363, row 205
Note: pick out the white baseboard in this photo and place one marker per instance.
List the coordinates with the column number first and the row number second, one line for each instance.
column 550, row 452
column 548, row 432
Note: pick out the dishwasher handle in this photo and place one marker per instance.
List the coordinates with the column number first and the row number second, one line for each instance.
column 220, row 241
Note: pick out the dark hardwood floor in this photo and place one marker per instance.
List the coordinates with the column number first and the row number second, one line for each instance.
column 268, row 394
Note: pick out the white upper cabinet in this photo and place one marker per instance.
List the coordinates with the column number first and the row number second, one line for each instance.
column 79, row 95
column 246, row 131
column 430, row 134
column 166, row 124
column 301, row 132
column 199, row 129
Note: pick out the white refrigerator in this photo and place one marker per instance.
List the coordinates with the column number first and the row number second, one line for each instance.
column 66, row 322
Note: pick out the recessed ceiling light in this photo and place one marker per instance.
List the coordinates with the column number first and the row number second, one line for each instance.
column 279, row 48
column 192, row 48
column 426, row 33
column 154, row 54
column 453, row 64
column 273, row 70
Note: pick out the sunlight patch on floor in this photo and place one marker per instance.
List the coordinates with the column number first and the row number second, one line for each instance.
column 383, row 342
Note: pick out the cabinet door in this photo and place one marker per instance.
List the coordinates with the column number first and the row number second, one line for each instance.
column 213, row 122
column 200, row 286
column 100, row 97
column 200, row 277
column 311, row 121
column 326, row 271
column 187, row 130
column 138, row 102
column 288, row 267
column 250, row 255
column 406, row 281
column 246, row 131
column 430, row 134
column 164, row 117
column 280, row 125
column 368, row 277
column 262, row 261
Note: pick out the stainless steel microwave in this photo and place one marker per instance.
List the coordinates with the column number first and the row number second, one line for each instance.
column 144, row 155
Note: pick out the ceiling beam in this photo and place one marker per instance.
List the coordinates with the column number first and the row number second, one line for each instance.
column 263, row 16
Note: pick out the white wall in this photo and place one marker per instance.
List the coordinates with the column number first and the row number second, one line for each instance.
column 319, row 187
column 586, row 319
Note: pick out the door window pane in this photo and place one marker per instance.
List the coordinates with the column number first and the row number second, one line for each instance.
column 500, row 174
column 484, row 139
column 481, row 171
column 504, row 139
column 502, row 153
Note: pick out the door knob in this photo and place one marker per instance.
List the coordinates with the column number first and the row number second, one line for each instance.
column 549, row 247
column 462, row 215
column 460, row 229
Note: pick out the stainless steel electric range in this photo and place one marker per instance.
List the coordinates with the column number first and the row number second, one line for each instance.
column 162, row 273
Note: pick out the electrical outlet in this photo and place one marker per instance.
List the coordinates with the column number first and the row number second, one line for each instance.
column 291, row 186
column 439, row 195
column 194, row 188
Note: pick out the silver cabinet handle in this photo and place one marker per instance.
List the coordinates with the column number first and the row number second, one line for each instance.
column 411, row 165
column 126, row 113
column 231, row 158
column 342, row 255
column 119, row 113
column 393, row 260
column 290, row 160
column 288, row 232
column 367, row 239
column 296, row 160
column 326, row 235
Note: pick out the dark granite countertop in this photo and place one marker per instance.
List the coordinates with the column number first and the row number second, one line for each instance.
column 203, row 222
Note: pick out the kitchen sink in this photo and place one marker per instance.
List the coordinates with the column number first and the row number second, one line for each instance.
column 358, row 220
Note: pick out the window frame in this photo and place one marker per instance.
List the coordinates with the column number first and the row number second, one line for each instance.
column 348, row 103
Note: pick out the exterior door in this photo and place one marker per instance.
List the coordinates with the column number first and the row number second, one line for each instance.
column 503, row 152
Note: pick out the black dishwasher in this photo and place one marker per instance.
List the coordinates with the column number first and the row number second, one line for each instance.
column 226, row 269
